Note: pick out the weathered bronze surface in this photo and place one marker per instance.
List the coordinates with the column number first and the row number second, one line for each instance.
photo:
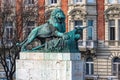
column 55, row 30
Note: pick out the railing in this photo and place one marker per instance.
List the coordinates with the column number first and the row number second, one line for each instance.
column 110, row 43
column 87, row 44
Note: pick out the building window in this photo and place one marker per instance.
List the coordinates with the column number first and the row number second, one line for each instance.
column 9, row 30
column 91, row 1
column 112, row 29
column 30, row 26
column 52, row 1
column 89, row 66
column 116, row 66
column 119, row 28
column 79, row 23
column 29, row 1
column 77, row 1
column 111, row 1
column 118, row 1
column 90, row 30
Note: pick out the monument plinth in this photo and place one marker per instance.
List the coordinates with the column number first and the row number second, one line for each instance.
column 49, row 66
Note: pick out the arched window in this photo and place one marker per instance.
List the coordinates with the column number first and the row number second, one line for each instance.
column 116, row 66
column 89, row 66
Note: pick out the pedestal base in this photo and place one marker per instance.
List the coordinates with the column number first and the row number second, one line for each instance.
column 49, row 66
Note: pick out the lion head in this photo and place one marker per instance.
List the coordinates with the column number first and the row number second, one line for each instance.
column 57, row 19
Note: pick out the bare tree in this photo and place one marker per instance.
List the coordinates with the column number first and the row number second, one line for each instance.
column 9, row 50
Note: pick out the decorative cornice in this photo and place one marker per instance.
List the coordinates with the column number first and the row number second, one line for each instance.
column 113, row 11
column 78, row 13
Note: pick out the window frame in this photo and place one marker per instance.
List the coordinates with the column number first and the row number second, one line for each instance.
column 111, row 2
column 92, row 28
column 94, row 1
column 119, row 28
column 52, row 2
column 29, row 2
column 114, row 27
column 29, row 27
column 90, row 68
column 81, row 21
column 8, row 35
column 117, row 64
column 77, row 1
column 115, row 2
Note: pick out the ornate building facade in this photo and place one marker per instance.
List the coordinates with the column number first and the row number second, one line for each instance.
column 99, row 44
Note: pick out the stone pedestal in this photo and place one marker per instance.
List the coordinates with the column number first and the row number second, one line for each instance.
column 49, row 66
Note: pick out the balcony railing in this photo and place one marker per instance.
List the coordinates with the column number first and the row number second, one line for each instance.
column 112, row 43
column 90, row 44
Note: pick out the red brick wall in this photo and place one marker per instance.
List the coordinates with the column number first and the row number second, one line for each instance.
column 64, row 7
column 100, row 20
column 41, row 12
column 19, row 19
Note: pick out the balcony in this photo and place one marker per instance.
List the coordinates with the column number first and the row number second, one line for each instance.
column 87, row 45
column 112, row 43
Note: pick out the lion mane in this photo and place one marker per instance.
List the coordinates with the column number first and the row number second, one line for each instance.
column 57, row 19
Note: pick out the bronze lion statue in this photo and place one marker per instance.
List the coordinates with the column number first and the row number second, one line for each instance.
column 54, row 27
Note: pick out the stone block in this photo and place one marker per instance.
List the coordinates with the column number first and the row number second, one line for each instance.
column 50, row 56
column 49, row 66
